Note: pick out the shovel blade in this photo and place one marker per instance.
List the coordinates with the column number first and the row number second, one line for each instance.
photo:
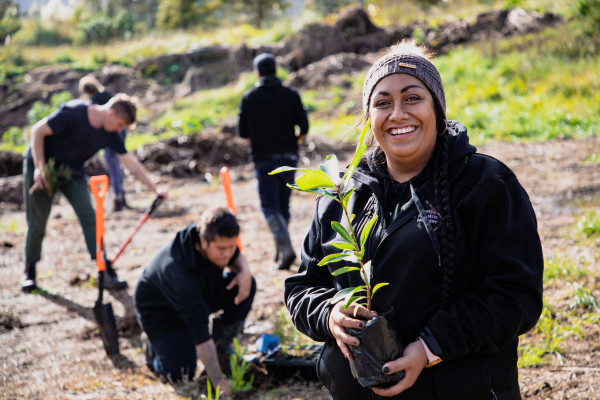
column 107, row 324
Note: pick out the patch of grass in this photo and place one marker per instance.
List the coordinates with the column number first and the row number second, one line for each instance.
column 550, row 329
column 287, row 332
column 588, row 223
column 563, row 267
column 205, row 108
column 11, row 226
column 584, row 299
column 525, row 94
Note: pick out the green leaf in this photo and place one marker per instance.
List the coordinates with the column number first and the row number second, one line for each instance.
column 357, row 289
column 341, row 294
column 352, row 300
column 366, row 231
column 331, row 168
column 339, row 228
column 361, row 147
column 343, row 270
column 346, row 198
column 320, row 192
column 286, row 168
column 376, row 288
column 337, row 257
column 343, row 245
column 314, row 179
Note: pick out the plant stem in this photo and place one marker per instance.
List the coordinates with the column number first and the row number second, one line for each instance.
column 356, row 247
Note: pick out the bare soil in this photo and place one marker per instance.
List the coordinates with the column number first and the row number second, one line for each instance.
column 50, row 348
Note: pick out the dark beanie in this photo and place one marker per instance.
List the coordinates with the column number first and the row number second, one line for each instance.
column 264, row 63
column 406, row 63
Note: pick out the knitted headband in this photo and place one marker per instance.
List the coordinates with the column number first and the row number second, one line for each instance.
column 410, row 64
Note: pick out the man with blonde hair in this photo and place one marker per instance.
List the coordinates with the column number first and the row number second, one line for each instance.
column 90, row 88
column 69, row 137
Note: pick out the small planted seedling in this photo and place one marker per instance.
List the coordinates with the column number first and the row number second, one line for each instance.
column 239, row 367
column 53, row 177
column 326, row 181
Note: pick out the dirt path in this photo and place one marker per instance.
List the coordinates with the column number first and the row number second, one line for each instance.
column 49, row 348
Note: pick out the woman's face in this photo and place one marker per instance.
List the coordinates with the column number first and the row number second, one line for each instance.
column 403, row 121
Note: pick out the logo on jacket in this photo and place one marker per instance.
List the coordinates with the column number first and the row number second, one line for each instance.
column 432, row 215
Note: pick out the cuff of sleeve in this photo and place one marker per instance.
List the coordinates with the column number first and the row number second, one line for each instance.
column 432, row 343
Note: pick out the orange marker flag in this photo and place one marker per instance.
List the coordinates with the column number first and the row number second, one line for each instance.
column 226, row 180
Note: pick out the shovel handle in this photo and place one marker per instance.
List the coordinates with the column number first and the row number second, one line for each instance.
column 141, row 222
column 99, row 187
column 226, row 180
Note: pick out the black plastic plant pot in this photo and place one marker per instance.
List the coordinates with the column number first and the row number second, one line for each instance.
column 378, row 345
column 288, row 361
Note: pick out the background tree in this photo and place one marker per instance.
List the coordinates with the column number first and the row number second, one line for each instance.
column 9, row 19
column 173, row 14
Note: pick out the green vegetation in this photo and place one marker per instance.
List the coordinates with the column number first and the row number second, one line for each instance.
column 239, row 368
column 284, row 328
column 588, row 224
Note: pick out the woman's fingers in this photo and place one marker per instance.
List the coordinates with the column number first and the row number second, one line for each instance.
column 339, row 320
column 412, row 362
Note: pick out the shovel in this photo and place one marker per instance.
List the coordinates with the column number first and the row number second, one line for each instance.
column 103, row 313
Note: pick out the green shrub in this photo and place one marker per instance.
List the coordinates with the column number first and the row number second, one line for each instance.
column 14, row 136
column 36, row 32
column 588, row 12
column 9, row 20
column 97, row 28
column 40, row 110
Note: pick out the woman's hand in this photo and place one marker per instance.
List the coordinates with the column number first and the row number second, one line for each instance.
column 412, row 362
column 341, row 318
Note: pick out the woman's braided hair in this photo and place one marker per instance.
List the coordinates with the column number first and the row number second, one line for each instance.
column 445, row 232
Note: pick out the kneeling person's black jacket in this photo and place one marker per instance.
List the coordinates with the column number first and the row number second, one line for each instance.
column 179, row 289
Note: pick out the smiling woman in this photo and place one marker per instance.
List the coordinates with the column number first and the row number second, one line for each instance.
column 403, row 123
column 453, row 233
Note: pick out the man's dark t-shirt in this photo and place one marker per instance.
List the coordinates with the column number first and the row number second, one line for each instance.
column 73, row 140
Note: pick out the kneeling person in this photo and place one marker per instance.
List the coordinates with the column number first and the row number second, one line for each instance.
column 183, row 285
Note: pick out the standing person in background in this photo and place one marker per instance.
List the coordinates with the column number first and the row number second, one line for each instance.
column 70, row 136
column 268, row 116
column 91, row 89
column 456, row 239
column 185, row 283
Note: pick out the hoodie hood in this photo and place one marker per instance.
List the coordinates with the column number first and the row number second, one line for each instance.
column 184, row 247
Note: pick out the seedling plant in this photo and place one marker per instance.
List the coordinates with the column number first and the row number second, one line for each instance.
column 239, row 368
column 326, row 181
column 53, row 177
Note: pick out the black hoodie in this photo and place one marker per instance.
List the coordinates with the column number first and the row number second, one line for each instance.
column 268, row 115
column 179, row 289
column 497, row 287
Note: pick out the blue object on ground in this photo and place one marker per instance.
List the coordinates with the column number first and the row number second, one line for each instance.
column 267, row 342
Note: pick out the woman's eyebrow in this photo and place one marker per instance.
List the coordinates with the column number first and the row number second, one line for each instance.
column 404, row 89
column 410, row 87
